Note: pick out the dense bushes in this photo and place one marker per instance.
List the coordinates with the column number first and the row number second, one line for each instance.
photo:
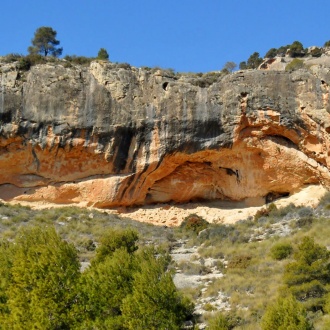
column 41, row 286
column 41, row 273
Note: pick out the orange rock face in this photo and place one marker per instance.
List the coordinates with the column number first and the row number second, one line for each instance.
column 108, row 137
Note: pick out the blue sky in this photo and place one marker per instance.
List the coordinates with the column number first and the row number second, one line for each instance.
column 186, row 35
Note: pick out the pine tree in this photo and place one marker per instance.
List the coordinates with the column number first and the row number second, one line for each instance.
column 44, row 270
column 103, row 287
column 308, row 275
column 103, row 54
column 44, row 42
column 154, row 303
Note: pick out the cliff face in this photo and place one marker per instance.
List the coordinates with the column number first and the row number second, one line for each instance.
column 110, row 136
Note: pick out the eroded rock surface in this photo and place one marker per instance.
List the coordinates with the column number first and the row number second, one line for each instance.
column 108, row 136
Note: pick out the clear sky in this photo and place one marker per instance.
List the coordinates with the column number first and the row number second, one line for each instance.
column 186, row 35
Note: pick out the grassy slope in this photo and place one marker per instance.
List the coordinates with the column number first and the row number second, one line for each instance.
column 252, row 277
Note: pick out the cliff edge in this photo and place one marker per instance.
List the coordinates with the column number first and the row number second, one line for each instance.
column 110, row 136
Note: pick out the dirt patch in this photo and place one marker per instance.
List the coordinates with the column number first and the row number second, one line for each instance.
column 214, row 211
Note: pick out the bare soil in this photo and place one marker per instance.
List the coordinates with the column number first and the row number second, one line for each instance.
column 213, row 211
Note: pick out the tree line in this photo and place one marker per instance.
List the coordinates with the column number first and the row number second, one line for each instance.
column 125, row 287
column 296, row 49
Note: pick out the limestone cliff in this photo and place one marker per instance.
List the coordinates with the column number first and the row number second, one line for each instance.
column 110, row 136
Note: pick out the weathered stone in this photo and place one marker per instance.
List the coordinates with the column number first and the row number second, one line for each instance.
column 109, row 136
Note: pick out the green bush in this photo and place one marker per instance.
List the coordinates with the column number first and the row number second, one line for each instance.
column 296, row 49
column 327, row 43
column 114, row 239
column 295, row 64
column 281, row 251
column 24, row 64
column 281, row 51
column 308, row 276
column 223, row 321
column 154, row 303
column 285, row 313
column 271, row 53
column 243, row 65
column 43, row 272
column 254, row 61
column 316, row 52
column 42, row 287
column 103, row 54
column 195, row 223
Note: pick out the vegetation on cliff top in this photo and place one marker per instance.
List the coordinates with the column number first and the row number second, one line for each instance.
column 45, row 43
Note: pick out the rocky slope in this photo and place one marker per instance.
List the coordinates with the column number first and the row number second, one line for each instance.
column 113, row 136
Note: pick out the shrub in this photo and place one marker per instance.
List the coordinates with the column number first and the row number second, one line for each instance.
column 243, row 65
column 261, row 214
column 282, row 50
column 283, row 211
column 327, row 43
column 218, row 232
column 304, row 222
column 325, row 199
column 254, row 61
column 265, row 212
column 304, row 212
column 281, row 251
column 13, row 57
column 285, row 313
column 195, row 223
column 295, row 64
column 296, row 49
column 316, row 52
column 223, row 322
column 271, row 53
column 24, row 64
column 78, row 60
column 125, row 66
column 229, row 67
column 240, row 261
column 190, row 268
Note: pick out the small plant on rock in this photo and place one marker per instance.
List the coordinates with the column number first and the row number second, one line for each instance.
column 295, row 65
